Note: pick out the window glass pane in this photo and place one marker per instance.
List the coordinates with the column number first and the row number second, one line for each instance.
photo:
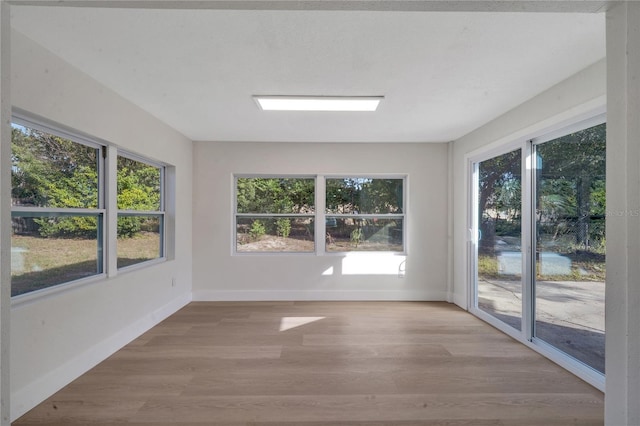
column 364, row 196
column 570, row 249
column 275, row 195
column 281, row 234
column 139, row 185
column 139, row 239
column 50, row 171
column 360, row 234
column 47, row 251
column 499, row 262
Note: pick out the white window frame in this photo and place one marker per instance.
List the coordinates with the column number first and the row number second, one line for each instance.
column 160, row 212
column 372, row 176
column 107, row 205
column 235, row 215
column 320, row 212
column 25, row 120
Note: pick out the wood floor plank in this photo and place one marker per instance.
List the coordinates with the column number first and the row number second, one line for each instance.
column 173, row 352
column 234, row 339
column 274, row 383
column 184, row 365
column 84, row 411
column 371, row 407
column 323, row 364
column 373, row 338
column 473, row 349
column 138, row 386
column 450, row 382
column 422, row 352
column 435, row 422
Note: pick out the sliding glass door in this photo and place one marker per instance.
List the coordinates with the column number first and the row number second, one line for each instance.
column 499, row 258
column 537, row 228
column 570, row 244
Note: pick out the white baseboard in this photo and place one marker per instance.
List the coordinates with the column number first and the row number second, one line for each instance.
column 37, row 391
column 262, row 295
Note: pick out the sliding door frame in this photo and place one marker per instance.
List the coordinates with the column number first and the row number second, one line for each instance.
column 473, row 163
column 528, row 243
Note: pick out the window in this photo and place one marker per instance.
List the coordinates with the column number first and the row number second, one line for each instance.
column 57, row 209
column 278, row 214
column 275, row 214
column 364, row 214
column 140, row 211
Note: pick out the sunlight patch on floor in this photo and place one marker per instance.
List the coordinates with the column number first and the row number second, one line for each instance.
column 287, row 323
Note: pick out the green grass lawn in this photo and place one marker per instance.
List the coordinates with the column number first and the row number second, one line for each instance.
column 38, row 263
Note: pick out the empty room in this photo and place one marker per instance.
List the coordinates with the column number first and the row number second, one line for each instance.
column 320, row 212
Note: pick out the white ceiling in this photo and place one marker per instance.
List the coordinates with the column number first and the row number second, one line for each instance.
column 442, row 74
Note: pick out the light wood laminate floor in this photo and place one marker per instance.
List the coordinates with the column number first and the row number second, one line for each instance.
column 323, row 363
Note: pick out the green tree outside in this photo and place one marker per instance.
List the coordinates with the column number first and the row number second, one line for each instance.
column 50, row 171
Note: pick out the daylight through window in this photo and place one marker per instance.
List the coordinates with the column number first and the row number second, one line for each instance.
column 140, row 212
column 364, row 214
column 57, row 210
column 275, row 214
column 278, row 214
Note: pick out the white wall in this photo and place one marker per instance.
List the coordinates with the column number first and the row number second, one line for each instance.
column 220, row 276
column 623, row 224
column 578, row 96
column 55, row 339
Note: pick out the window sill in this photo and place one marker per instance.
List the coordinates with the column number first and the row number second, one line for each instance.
column 142, row 265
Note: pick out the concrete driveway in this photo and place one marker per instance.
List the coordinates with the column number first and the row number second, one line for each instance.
column 569, row 314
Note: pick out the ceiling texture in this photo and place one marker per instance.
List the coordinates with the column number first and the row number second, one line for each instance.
column 442, row 74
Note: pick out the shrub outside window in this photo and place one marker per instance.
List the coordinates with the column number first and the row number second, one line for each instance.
column 274, row 214
column 57, row 208
column 140, row 211
column 364, row 214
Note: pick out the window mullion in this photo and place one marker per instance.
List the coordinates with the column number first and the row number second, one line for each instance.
column 528, row 236
column 141, row 212
column 320, row 215
column 111, row 219
column 270, row 215
column 57, row 211
column 368, row 215
column 162, row 190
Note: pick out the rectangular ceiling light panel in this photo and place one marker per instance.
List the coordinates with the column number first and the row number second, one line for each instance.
column 318, row 103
